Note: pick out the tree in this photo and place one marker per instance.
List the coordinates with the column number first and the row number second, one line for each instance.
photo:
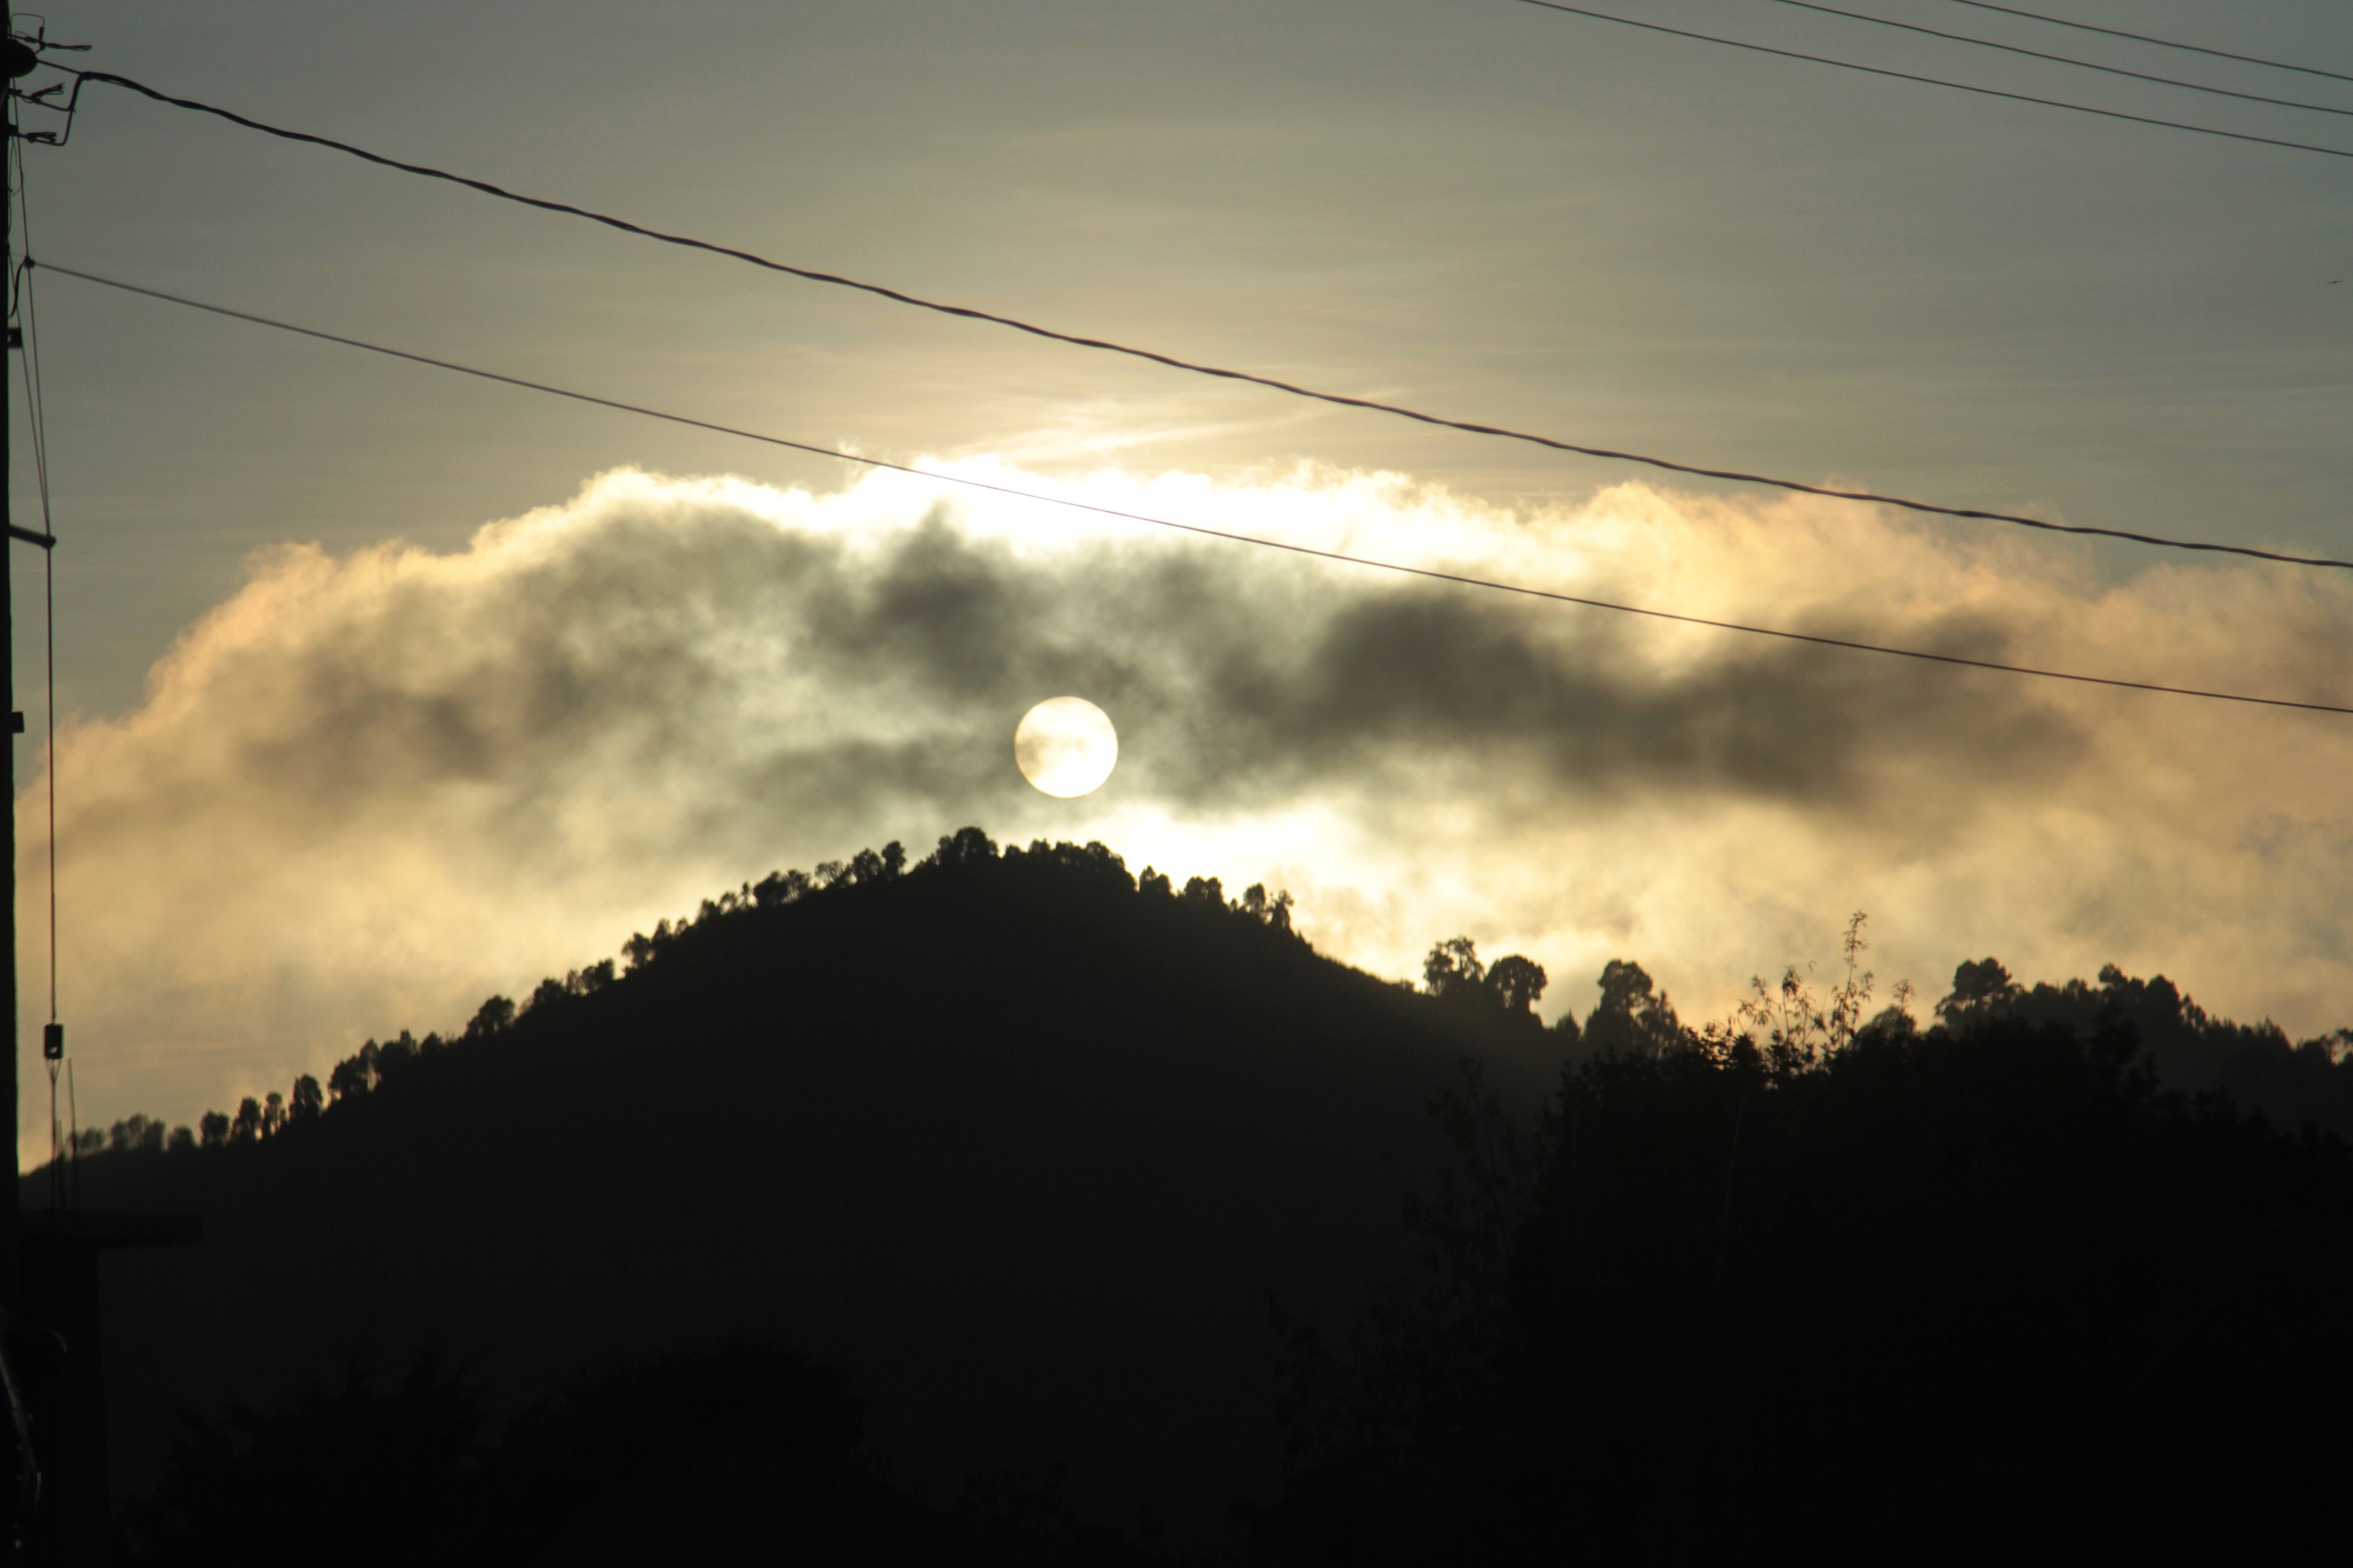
column 1980, row 986
column 1517, row 981
column 584, row 981
column 1453, row 972
column 1271, row 912
column 1633, row 1018
column 308, row 1101
column 246, row 1127
column 969, row 847
column 867, row 866
column 395, row 1056
column 182, row 1140
column 779, row 887
column 214, row 1129
column 137, row 1133
column 350, row 1079
column 1794, row 1027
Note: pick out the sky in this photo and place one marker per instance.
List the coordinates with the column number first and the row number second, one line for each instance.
column 381, row 690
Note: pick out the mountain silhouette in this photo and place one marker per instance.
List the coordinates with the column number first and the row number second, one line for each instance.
column 1012, row 1207
column 1021, row 1145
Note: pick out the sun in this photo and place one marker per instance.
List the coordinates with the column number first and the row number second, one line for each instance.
column 1066, row 746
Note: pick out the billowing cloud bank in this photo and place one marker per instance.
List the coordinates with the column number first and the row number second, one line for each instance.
column 363, row 793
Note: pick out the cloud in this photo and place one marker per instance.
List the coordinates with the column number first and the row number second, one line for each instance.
column 363, row 792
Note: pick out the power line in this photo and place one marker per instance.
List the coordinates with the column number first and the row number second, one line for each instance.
column 1192, row 366
column 1939, row 81
column 2145, row 38
column 1335, row 555
column 2067, row 59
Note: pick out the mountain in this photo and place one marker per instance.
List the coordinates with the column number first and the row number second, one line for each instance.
column 1019, row 1144
column 1013, row 1164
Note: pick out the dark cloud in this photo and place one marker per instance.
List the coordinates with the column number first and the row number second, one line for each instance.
column 759, row 674
column 1234, row 675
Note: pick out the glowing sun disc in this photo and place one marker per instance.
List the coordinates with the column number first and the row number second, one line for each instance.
column 1066, row 746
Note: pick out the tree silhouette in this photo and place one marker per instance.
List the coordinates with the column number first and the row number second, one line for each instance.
column 1633, row 1018
column 1509, row 989
column 1274, row 912
column 1452, row 973
column 1517, row 982
column 136, row 1133
column 2311, row 1080
column 966, row 847
column 1978, row 987
column 1935, row 1291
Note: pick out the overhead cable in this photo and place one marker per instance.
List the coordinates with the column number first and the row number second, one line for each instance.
column 1939, row 81
column 2067, row 59
column 2145, row 38
column 1198, row 368
column 1422, row 572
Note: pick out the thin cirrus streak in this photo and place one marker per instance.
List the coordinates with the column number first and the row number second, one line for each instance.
column 1429, row 573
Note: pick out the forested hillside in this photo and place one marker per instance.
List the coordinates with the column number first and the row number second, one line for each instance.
column 1862, row 1295
column 1019, row 1143
column 1117, row 1192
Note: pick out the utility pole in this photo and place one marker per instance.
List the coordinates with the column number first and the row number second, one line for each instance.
column 52, row 1371
column 15, row 62
column 19, row 62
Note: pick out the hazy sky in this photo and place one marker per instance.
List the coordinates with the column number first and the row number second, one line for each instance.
column 394, row 765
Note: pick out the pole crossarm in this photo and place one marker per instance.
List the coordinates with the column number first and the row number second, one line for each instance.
column 27, row 536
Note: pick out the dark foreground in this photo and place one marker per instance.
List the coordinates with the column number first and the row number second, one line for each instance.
column 1001, row 1209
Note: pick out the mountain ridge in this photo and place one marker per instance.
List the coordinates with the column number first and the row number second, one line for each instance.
column 1019, row 1142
